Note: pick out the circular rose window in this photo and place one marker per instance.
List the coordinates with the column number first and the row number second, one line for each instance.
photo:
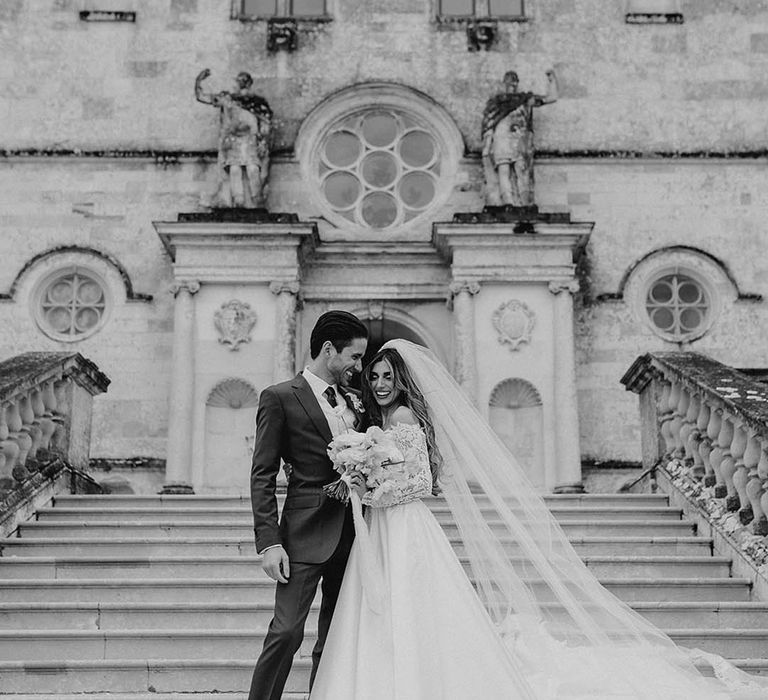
column 378, row 168
column 71, row 305
column 678, row 306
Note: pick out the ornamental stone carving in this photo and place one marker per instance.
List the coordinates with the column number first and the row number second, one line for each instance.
column 234, row 321
column 514, row 323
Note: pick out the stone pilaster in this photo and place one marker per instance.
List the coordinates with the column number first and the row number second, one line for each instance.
column 179, row 458
column 568, row 455
column 286, row 293
column 462, row 293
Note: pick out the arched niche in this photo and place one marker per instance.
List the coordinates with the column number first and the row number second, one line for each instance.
column 515, row 414
column 230, row 421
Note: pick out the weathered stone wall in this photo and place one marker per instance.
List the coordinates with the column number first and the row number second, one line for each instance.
column 639, row 206
column 72, row 87
column 698, row 86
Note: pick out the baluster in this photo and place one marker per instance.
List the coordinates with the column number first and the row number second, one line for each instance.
column 670, row 397
column 732, row 463
column 689, row 435
column 745, row 468
column 21, row 438
column 709, row 443
column 678, row 421
column 755, row 459
column 45, row 402
column 59, row 440
column 720, row 452
column 760, row 524
column 32, row 428
column 9, row 452
column 700, row 443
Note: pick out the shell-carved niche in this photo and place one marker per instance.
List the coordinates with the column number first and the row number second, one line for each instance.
column 233, row 393
column 234, row 321
column 514, row 393
column 514, row 323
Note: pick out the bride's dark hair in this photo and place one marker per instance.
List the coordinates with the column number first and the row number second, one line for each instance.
column 408, row 395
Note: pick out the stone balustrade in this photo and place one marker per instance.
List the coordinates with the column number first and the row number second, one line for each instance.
column 45, row 412
column 710, row 420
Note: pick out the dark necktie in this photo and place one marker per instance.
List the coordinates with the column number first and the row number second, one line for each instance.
column 330, row 394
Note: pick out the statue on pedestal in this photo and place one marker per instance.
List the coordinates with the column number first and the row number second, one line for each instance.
column 244, row 129
column 507, row 131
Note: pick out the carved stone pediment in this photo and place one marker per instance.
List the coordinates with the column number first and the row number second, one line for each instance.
column 234, row 322
column 514, row 323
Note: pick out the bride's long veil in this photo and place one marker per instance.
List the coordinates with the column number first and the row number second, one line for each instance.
column 573, row 637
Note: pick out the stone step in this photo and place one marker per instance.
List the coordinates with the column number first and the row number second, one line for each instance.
column 217, row 568
column 145, row 696
column 243, row 516
column 711, row 615
column 206, row 615
column 245, row 644
column 125, row 616
column 244, row 590
column 166, row 679
column 209, row 501
column 241, row 543
column 58, row 678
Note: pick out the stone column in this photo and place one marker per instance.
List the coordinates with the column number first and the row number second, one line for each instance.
column 179, row 458
column 567, row 452
column 285, row 328
column 462, row 292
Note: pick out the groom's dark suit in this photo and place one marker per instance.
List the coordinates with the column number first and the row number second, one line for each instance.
column 316, row 531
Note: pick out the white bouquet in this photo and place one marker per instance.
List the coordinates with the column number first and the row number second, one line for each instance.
column 372, row 454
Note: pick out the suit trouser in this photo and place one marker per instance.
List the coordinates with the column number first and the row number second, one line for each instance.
column 292, row 603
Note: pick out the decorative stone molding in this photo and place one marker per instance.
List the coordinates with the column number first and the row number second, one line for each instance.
column 233, row 393
column 376, row 310
column 514, row 393
column 189, row 286
column 470, row 286
column 234, row 321
column 286, row 292
column 287, row 286
column 571, row 286
column 514, row 322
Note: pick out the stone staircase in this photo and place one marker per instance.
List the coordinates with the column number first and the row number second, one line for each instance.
column 161, row 597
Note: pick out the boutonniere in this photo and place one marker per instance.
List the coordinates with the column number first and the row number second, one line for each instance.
column 355, row 402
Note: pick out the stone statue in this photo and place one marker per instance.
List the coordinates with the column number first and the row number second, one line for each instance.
column 244, row 129
column 508, row 142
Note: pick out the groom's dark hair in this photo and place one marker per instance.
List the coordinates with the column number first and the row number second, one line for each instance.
column 340, row 327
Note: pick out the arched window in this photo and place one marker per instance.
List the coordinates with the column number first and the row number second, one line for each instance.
column 379, row 157
column 71, row 304
column 678, row 306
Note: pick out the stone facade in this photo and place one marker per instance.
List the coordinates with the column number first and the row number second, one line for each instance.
column 657, row 137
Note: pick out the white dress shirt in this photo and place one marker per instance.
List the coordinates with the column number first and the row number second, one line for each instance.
column 341, row 418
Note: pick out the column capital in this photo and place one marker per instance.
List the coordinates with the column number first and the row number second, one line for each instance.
column 458, row 286
column 191, row 286
column 570, row 286
column 280, row 286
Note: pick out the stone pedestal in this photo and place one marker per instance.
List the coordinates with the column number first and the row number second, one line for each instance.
column 225, row 260
column 519, row 312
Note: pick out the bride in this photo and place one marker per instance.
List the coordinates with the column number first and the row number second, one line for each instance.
column 517, row 615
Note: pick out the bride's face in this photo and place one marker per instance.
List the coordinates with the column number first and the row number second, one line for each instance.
column 382, row 381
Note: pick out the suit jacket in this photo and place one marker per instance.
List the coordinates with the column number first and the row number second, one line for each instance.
column 290, row 425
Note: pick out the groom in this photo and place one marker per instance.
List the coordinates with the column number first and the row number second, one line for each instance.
column 295, row 422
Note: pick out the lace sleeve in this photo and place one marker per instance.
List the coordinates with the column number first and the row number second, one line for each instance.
column 410, row 481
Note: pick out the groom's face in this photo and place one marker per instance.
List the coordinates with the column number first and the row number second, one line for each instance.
column 343, row 365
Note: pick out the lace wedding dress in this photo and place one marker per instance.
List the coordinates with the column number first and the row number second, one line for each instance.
column 518, row 616
column 432, row 639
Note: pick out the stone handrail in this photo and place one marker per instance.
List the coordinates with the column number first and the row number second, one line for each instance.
column 45, row 413
column 709, row 421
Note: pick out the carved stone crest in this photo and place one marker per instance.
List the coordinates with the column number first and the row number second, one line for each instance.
column 234, row 322
column 514, row 323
